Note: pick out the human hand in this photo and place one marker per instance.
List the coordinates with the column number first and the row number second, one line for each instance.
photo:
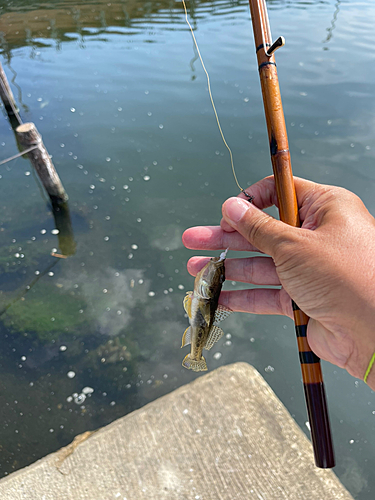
column 327, row 266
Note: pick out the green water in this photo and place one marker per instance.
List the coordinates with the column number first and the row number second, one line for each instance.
column 120, row 98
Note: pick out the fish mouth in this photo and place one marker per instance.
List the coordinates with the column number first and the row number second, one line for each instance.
column 219, row 260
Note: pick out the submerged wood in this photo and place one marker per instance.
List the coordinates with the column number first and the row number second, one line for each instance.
column 63, row 224
column 29, row 136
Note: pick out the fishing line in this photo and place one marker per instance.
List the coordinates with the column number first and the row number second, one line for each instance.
column 212, row 101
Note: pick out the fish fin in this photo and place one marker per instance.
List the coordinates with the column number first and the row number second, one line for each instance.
column 192, row 364
column 186, row 338
column 221, row 313
column 187, row 303
column 205, row 309
column 215, row 334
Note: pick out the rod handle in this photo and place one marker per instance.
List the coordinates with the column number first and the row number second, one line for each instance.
column 321, row 437
column 315, row 396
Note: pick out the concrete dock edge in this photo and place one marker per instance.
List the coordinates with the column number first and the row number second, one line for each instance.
column 225, row 436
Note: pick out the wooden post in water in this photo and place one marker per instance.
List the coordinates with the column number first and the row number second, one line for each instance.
column 28, row 137
column 6, row 94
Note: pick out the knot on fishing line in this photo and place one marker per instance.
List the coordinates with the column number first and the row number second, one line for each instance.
column 248, row 196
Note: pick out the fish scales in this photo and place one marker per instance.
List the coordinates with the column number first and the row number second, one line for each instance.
column 204, row 313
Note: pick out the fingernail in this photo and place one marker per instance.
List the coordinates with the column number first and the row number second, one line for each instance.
column 235, row 208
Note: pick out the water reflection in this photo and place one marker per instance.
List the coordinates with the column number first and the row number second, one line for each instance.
column 333, row 22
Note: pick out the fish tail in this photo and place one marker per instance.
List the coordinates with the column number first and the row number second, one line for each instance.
column 192, row 364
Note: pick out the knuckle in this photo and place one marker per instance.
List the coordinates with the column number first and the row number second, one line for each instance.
column 256, row 230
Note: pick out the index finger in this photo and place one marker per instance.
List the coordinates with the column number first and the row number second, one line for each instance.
column 214, row 238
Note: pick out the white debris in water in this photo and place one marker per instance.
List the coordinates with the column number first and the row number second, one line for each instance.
column 307, row 423
column 146, row 178
column 151, row 294
column 63, row 348
column 112, row 403
column 217, row 355
column 79, row 398
column 351, row 441
column 161, row 126
column 87, row 390
column 43, row 231
column 180, row 287
column 71, row 374
column 228, row 336
column 69, row 399
column 228, row 343
column 23, row 358
column 27, row 173
column 108, row 158
column 134, row 247
column 73, row 110
column 51, row 273
column 269, row 368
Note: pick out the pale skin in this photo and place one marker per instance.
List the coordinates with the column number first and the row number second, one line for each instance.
column 327, row 266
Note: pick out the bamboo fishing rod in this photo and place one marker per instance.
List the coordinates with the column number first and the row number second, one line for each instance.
column 288, row 209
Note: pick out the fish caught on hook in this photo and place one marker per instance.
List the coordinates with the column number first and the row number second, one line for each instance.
column 204, row 312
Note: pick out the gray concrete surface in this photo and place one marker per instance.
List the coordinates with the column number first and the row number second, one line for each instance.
column 225, row 436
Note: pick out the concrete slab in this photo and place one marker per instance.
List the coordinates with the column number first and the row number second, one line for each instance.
column 225, row 436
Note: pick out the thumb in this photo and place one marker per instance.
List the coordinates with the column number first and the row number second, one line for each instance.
column 259, row 228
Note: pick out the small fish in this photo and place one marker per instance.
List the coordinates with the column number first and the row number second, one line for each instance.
column 201, row 306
